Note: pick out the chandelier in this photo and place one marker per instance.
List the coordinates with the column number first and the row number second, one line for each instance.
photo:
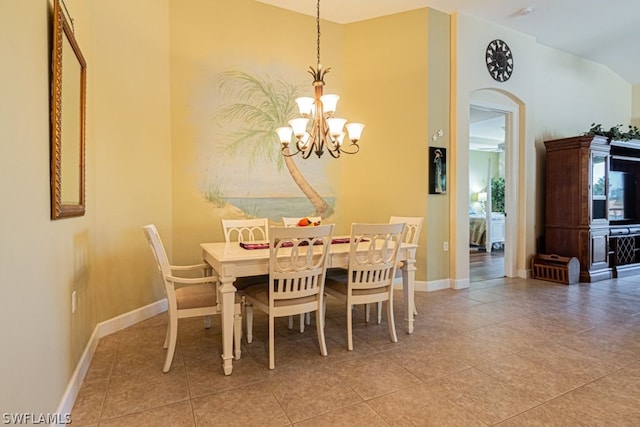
column 317, row 130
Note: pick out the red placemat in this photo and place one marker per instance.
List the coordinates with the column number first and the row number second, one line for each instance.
column 251, row 246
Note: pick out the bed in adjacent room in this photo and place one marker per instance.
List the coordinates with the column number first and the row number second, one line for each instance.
column 485, row 234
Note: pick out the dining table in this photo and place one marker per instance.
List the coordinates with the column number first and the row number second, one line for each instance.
column 231, row 260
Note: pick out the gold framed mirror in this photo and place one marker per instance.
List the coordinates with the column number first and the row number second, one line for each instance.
column 68, row 112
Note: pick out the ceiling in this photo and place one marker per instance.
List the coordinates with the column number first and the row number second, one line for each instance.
column 606, row 32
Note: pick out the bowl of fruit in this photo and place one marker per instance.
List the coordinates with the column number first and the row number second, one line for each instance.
column 306, row 222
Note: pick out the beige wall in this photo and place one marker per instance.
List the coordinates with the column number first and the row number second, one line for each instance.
column 635, row 108
column 101, row 255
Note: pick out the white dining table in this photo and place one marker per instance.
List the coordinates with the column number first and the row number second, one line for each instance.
column 231, row 261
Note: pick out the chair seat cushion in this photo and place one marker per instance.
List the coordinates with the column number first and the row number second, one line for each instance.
column 261, row 294
column 196, row 296
column 340, row 286
column 243, row 283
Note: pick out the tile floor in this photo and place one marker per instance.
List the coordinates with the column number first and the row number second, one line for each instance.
column 509, row 352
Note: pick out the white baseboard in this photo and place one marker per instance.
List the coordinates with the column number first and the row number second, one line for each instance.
column 460, row 283
column 103, row 329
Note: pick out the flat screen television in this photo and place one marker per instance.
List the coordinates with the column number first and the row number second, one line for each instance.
column 622, row 196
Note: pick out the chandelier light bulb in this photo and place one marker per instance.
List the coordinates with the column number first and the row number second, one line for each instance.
column 355, row 131
column 299, row 126
column 330, row 103
column 305, row 105
column 284, row 134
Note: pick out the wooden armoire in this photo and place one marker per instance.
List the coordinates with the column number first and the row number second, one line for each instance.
column 592, row 209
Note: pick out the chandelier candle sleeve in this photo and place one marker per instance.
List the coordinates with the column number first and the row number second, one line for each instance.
column 317, row 130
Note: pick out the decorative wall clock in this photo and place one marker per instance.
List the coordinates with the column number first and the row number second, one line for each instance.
column 499, row 60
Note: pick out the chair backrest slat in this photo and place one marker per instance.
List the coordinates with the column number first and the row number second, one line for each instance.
column 413, row 228
column 297, row 264
column 373, row 254
column 245, row 230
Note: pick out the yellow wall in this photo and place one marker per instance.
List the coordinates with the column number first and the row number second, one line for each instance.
column 386, row 86
column 438, row 98
column 101, row 255
column 207, row 39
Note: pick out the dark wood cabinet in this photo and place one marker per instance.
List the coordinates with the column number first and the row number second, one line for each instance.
column 592, row 205
column 577, row 223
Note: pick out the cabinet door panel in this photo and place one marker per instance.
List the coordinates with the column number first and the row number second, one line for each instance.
column 599, row 248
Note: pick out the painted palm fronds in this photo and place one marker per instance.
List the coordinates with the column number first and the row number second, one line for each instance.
column 259, row 106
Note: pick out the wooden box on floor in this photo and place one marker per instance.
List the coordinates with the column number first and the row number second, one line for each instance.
column 555, row 268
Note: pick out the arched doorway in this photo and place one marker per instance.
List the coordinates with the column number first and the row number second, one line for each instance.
column 513, row 110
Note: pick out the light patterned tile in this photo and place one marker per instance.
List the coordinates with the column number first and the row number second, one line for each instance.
column 422, row 405
column 538, row 380
column 175, row 415
column 350, row 416
column 485, row 397
column 311, row 392
column 492, row 359
column 372, row 376
column 253, row 405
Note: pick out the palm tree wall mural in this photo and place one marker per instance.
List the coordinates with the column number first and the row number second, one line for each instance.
column 257, row 106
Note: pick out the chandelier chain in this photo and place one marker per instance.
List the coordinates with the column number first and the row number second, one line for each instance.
column 318, row 29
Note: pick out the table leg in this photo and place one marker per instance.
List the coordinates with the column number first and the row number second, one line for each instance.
column 228, row 296
column 408, row 288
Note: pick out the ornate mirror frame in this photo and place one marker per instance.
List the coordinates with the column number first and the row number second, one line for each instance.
column 68, row 111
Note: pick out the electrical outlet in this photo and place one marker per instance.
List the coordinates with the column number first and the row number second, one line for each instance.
column 445, row 246
column 74, row 302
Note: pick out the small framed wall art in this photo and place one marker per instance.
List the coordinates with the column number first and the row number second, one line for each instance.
column 437, row 170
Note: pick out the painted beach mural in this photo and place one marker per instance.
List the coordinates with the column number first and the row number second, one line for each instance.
column 242, row 163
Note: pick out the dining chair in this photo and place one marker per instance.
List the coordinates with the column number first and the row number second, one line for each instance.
column 250, row 230
column 411, row 235
column 188, row 296
column 373, row 255
column 246, row 230
column 293, row 221
column 297, row 272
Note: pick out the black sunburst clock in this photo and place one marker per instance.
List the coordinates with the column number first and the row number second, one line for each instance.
column 499, row 60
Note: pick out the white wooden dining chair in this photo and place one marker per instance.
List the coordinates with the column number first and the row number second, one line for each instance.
column 411, row 235
column 188, row 296
column 293, row 221
column 297, row 271
column 372, row 264
column 251, row 230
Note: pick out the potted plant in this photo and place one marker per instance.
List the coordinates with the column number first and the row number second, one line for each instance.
column 497, row 194
column 615, row 133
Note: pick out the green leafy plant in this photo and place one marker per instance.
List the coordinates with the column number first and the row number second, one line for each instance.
column 497, row 194
column 615, row 133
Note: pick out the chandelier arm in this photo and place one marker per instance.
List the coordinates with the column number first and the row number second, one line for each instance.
column 287, row 153
column 354, row 151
